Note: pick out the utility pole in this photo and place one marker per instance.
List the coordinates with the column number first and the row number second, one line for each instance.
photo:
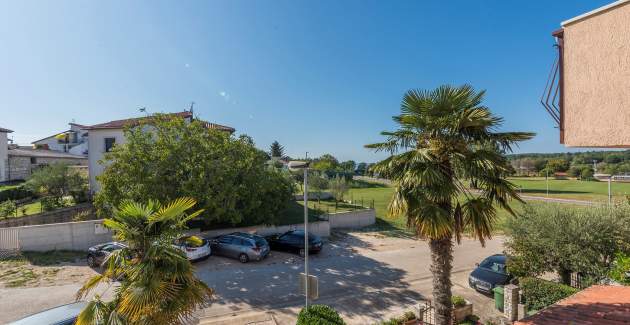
column 609, row 192
column 547, row 180
column 192, row 107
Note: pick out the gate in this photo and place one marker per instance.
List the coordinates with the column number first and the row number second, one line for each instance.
column 426, row 313
column 9, row 241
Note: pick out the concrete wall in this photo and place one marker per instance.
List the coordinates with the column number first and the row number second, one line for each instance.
column 96, row 150
column 70, row 235
column 20, row 167
column 352, row 219
column 4, row 147
column 597, row 79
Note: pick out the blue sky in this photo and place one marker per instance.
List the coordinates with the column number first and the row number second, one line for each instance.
column 318, row 76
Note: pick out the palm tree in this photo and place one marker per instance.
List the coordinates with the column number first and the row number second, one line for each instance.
column 445, row 138
column 157, row 282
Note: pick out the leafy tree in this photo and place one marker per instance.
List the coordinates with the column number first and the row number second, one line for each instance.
column 58, row 181
column 575, row 171
column 319, row 183
column 445, row 137
column 325, row 163
column 553, row 238
column 338, row 187
column 276, row 150
column 361, row 168
column 157, row 282
column 557, row 165
column 348, row 166
column 613, row 158
column 586, row 173
column 539, row 164
column 167, row 158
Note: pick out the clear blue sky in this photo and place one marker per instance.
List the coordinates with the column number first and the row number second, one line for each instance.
column 318, row 76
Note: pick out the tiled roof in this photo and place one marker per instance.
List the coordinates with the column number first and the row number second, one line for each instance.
column 119, row 124
column 41, row 153
column 598, row 304
column 3, row 130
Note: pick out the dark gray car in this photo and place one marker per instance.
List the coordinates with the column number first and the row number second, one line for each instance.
column 242, row 246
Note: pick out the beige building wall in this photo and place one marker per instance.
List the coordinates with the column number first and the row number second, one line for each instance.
column 4, row 147
column 597, row 79
column 96, row 152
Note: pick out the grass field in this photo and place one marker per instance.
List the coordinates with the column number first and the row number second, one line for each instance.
column 572, row 189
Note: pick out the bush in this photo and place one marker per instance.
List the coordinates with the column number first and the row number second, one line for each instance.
column 319, row 315
column 50, row 203
column 539, row 293
column 458, row 301
column 409, row 315
column 7, row 208
column 15, row 193
column 620, row 269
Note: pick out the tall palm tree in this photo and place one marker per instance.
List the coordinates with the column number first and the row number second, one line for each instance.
column 446, row 137
column 157, row 282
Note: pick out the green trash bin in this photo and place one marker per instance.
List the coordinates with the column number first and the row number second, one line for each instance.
column 498, row 297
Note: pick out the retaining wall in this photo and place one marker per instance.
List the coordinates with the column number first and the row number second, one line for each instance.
column 319, row 228
column 69, row 235
column 352, row 219
column 51, row 217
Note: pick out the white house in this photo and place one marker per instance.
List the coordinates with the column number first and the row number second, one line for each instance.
column 102, row 137
column 73, row 141
column 4, row 156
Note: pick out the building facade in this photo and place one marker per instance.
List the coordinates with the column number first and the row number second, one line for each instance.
column 22, row 162
column 4, row 157
column 588, row 92
column 73, row 141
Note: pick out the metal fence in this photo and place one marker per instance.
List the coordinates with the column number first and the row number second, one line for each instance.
column 426, row 313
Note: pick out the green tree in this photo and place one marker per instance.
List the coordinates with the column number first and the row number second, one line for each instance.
column 58, row 181
column 319, row 182
column 325, row 163
column 539, row 164
column 157, row 282
column 348, row 166
column 445, row 137
column 362, row 168
column 586, row 174
column 227, row 176
column 613, row 158
column 561, row 239
column 338, row 187
column 557, row 165
column 276, row 150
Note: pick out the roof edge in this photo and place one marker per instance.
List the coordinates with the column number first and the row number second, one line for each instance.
column 594, row 12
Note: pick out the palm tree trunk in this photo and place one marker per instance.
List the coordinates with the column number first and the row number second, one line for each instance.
column 441, row 258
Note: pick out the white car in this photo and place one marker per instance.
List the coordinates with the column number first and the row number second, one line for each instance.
column 194, row 251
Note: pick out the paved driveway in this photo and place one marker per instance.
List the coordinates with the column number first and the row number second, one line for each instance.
column 364, row 275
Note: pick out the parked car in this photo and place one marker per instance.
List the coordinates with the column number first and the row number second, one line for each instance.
column 99, row 253
column 240, row 245
column 194, row 251
column 293, row 241
column 62, row 315
column 490, row 273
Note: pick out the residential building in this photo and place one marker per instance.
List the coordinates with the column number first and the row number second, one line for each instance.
column 73, row 140
column 102, row 137
column 588, row 89
column 23, row 161
column 4, row 157
column 599, row 304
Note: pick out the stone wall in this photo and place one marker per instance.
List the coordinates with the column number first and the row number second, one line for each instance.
column 20, row 167
column 56, row 216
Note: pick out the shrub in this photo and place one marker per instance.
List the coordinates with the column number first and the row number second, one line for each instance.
column 7, row 208
column 15, row 193
column 620, row 269
column 539, row 293
column 409, row 315
column 319, row 315
column 50, row 203
column 458, row 301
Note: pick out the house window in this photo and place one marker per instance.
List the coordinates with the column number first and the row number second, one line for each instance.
column 33, row 160
column 109, row 144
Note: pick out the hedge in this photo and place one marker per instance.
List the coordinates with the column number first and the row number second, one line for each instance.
column 15, row 193
column 319, row 315
column 539, row 293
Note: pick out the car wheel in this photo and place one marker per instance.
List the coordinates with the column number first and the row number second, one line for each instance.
column 302, row 252
column 243, row 258
column 90, row 261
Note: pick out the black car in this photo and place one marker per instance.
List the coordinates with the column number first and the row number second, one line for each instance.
column 293, row 241
column 99, row 253
column 490, row 273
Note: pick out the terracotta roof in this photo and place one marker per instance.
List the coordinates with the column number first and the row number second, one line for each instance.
column 598, row 304
column 3, row 130
column 119, row 124
column 41, row 153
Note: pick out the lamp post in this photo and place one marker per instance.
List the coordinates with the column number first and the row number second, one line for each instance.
column 303, row 165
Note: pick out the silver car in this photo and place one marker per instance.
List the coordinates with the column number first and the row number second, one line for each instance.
column 242, row 246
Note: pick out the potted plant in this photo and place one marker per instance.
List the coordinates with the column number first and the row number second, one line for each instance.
column 409, row 318
column 462, row 309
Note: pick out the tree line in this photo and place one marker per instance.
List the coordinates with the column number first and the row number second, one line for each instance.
column 578, row 164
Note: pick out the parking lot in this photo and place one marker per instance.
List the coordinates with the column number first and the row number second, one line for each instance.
column 381, row 276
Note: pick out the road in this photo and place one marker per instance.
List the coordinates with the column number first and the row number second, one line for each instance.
column 384, row 273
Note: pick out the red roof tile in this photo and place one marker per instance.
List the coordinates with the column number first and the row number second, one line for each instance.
column 119, row 124
column 605, row 305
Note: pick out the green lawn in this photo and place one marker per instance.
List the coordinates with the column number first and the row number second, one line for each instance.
column 571, row 189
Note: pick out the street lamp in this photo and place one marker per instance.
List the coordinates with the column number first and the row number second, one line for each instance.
column 296, row 166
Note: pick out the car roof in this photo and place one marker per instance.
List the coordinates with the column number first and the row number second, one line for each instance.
column 245, row 235
column 53, row 315
column 498, row 258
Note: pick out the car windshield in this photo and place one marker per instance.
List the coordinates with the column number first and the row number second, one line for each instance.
column 493, row 265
